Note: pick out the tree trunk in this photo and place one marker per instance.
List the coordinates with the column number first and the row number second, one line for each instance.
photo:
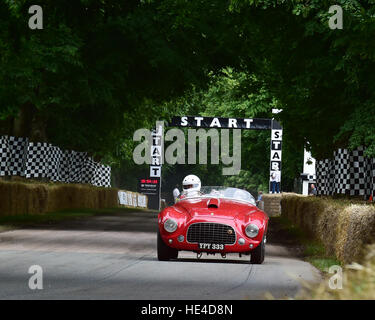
column 30, row 123
column 21, row 123
column 38, row 127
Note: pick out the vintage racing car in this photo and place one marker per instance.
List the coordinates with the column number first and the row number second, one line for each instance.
column 218, row 220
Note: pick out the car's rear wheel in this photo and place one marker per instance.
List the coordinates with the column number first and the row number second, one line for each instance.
column 165, row 253
column 257, row 255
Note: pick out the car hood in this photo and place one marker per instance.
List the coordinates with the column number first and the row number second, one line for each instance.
column 215, row 208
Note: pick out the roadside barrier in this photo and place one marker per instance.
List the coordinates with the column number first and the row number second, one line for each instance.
column 343, row 227
column 32, row 197
column 271, row 204
column 132, row 199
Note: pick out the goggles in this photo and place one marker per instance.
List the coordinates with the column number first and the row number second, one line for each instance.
column 189, row 186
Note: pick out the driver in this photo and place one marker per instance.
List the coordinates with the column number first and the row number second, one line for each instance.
column 191, row 186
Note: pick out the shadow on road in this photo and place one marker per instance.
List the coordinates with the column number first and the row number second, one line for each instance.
column 194, row 260
column 140, row 221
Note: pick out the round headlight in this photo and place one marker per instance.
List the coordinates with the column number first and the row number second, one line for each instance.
column 170, row 225
column 252, row 230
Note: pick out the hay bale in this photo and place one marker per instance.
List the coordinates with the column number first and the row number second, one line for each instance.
column 357, row 229
column 18, row 197
column 272, row 204
column 25, row 197
column 342, row 227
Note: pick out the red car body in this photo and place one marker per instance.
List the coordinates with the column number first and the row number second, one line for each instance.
column 212, row 220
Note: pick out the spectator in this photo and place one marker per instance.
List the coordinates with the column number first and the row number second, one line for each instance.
column 259, row 201
column 176, row 193
column 275, row 182
column 313, row 191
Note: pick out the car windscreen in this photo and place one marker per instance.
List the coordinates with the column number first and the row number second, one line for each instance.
column 221, row 192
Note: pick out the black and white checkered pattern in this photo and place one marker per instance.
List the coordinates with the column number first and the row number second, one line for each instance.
column 350, row 172
column 331, row 178
column 65, row 164
column 42, row 160
column 322, row 176
column 106, row 176
column 4, row 155
column 54, row 163
column 319, row 176
column 89, row 171
column 77, row 161
column 357, row 172
column 37, row 160
column 96, row 173
column 342, row 172
column 17, row 156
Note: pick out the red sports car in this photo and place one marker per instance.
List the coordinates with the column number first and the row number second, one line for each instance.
column 218, row 220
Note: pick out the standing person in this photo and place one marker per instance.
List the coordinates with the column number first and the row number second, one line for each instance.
column 260, row 196
column 259, row 201
column 277, row 179
column 313, row 191
column 176, row 193
column 273, row 182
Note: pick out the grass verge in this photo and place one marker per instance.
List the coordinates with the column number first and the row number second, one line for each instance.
column 311, row 249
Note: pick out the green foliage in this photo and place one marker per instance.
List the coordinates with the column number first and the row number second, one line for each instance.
column 99, row 70
column 240, row 95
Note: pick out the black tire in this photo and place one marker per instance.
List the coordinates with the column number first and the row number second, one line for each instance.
column 165, row 253
column 257, row 255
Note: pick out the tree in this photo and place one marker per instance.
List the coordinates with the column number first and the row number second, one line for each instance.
column 100, row 69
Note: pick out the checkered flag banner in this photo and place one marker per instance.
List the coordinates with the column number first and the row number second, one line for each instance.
column 19, row 157
column 323, row 168
column 16, row 157
column 342, row 171
column 349, row 172
column 37, row 160
column 4, row 156
column 55, row 164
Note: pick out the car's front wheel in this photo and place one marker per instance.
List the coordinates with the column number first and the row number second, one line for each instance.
column 257, row 255
column 165, row 253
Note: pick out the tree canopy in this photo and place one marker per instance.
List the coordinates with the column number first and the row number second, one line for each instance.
column 100, row 69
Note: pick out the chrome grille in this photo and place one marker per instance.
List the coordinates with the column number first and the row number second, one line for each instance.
column 211, row 233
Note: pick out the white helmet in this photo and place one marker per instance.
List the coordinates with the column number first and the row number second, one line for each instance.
column 191, row 184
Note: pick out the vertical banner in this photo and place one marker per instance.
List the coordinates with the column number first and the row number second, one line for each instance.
column 276, row 153
column 157, row 145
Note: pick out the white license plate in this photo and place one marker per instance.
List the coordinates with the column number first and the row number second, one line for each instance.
column 211, row 246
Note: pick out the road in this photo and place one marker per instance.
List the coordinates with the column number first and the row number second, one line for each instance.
column 114, row 257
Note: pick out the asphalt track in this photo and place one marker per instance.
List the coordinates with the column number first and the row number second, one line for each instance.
column 114, row 257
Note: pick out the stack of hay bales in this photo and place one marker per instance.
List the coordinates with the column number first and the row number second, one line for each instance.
column 272, row 204
column 343, row 227
column 17, row 197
